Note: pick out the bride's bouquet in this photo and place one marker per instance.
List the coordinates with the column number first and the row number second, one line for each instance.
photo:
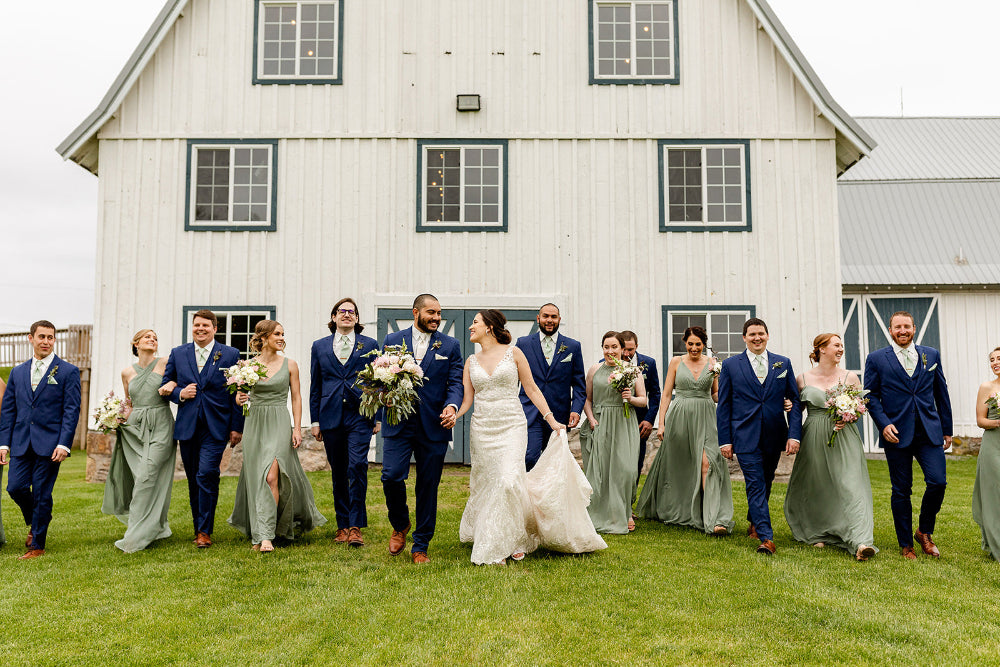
column 624, row 377
column 244, row 376
column 845, row 404
column 111, row 413
column 390, row 382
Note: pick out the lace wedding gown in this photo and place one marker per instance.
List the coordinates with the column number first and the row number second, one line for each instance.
column 510, row 511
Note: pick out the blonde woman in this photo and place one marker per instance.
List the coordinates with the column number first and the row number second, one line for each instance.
column 986, row 492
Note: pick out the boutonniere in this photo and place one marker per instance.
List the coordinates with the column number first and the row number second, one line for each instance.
column 52, row 375
column 216, row 356
column 562, row 348
column 777, row 364
column 436, row 345
column 643, row 367
column 359, row 347
column 923, row 359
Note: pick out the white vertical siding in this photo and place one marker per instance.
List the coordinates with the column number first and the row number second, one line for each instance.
column 970, row 329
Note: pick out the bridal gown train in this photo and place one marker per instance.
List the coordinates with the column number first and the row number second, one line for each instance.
column 510, row 511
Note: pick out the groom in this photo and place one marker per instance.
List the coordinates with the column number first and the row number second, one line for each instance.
column 423, row 435
column 908, row 400
column 38, row 420
column 750, row 417
column 207, row 417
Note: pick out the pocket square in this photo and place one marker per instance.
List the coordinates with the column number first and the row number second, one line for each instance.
column 932, row 368
column 567, row 358
column 440, row 357
column 783, row 374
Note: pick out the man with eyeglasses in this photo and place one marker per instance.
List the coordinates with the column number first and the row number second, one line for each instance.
column 336, row 361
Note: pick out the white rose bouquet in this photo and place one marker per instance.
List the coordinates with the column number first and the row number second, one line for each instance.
column 111, row 413
column 623, row 377
column 390, row 381
column 244, row 376
column 845, row 404
column 715, row 367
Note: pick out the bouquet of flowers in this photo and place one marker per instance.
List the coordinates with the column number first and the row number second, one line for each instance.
column 624, row 377
column 993, row 401
column 244, row 376
column 111, row 413
column 390, row 381
column 715, row 367
column 845, row 404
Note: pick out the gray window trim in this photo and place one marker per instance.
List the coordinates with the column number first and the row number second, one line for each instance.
column 665, row 226
column 638, row 80
column 336, row 80
column 669, row 310
column 423, row 226
column 190, row 225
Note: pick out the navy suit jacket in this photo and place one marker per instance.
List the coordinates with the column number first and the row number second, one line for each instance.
column 42, row 419
column 331, row 383
column 442, row 365
column 648, row 366
column 898, row 399
column 214, row 404
column 751, row 415
column 563, row 383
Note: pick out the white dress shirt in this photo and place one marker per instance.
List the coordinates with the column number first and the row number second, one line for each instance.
column 910, row 350
column 753, row 357
column 208, row 355
column 541, row 339
column 419, row 346
column 350, row 345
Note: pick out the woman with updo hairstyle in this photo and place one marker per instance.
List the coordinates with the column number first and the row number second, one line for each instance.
column 510, row 512
column 829, row 497
column 273, row 495
column 609, row 440
column 688, row 482
column 141, row 474
column 986, row 491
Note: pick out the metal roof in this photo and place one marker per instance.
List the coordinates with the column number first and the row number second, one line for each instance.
column 930, row 149
column 852, row 141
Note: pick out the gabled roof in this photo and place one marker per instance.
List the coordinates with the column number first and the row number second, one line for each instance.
column 936, row 182
column 853, row 142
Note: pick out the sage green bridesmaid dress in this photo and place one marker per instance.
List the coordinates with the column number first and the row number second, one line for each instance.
column 267, row 437
column 613, row 449
column 673, row 492
column 986, row 492
column 141, row 474
column 829, row 497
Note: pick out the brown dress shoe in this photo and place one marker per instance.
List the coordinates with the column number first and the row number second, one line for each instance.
column 766, row 547
column 927, row 544
column 398, row 540
column 908, row 553
column 354, row 538
column 752, row 532
column 32, row 553
column 203, row 541
column 419, row 557
column 342, row 536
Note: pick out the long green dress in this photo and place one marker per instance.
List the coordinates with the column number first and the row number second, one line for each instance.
column 267, row 437
column 986, row 492
column 141, row 474
column 829, row 497
column 613, row 449
column 672, row 492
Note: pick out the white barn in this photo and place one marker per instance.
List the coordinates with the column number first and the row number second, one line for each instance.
column 643, row 164
column 938, row 181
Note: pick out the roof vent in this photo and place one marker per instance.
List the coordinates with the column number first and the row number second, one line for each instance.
column 960, row 258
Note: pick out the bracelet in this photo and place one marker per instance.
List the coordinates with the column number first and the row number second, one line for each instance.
column 546, row 415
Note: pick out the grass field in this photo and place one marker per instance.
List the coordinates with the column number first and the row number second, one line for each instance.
column 5, row 372
column 660, row 596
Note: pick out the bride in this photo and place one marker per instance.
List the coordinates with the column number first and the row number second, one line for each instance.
column 511, row 512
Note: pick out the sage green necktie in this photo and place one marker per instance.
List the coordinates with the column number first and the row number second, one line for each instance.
column 345, row 349
column 758, row 364
column 36, row 374
column 907, row 361
column 202, row 358
column 548, row 347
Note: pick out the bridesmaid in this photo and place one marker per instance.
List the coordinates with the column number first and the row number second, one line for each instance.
column 688, row 482
column 141, row 475
column 986, row 492
column 612, row 440
column 3, row 388
column 273, row 495
column 829, row 497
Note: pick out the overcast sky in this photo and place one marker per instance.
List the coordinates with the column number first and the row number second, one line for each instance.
column 877, row 57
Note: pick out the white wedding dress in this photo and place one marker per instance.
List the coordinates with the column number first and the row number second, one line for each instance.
column 510, row 511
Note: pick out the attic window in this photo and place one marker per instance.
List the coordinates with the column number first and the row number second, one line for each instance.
column 298, row 42
column 634, row 42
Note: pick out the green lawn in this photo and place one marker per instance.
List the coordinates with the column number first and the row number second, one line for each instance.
column 659, row 596
column 5, row 372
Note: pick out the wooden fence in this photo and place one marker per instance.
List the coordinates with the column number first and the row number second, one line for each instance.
column 73, row 345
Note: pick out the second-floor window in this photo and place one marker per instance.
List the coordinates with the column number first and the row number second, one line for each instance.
column 462, row 185
column 231, row 185
column 298, row 42
column 634, row 42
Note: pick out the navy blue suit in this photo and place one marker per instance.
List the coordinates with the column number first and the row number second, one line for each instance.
column 563, row 383
column 421, row 436
column 920, row 409
column 333, row 403
column 203, row 424
column 751, row 418
column 32, row 425
column 648, row 413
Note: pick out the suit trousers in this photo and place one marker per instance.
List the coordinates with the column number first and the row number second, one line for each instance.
column 538, row 437
column 429, row 455
column 930, row 457
column 29, row 484
column 347, row 451
column 202, row 455
column 758, row 471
